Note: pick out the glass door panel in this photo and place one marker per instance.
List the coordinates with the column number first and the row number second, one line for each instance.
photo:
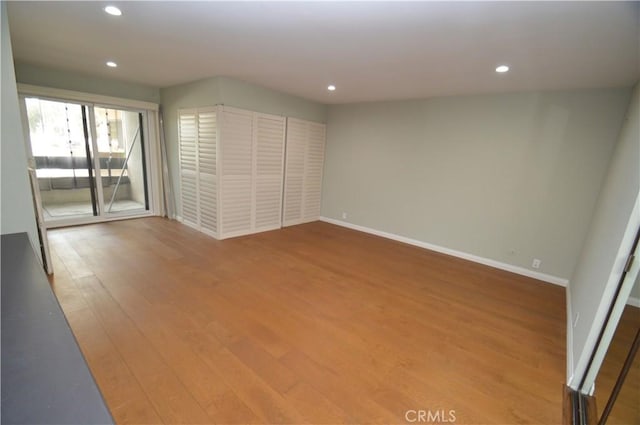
column 60, row 146
column 120, row 145
column 90, row 160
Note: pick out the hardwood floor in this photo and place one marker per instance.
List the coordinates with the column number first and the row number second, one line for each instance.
column 308, row 324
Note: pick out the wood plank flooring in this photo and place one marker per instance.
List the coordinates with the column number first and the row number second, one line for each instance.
column 308, row 324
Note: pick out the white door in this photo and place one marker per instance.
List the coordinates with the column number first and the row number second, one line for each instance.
column 187, row 136
column 268, row 131
column 303, row 171
column 236, row 163
column 207, row 171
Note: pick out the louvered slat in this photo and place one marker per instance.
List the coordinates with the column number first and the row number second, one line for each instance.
column 236, row 205
column 207, row 142
column 189, row 198
column 269, row 140
column 313, row 172
column 294, row 171
column 303, row 171
column 188, row 167
column 236, row 143
column 208, row 203
column 207, row 156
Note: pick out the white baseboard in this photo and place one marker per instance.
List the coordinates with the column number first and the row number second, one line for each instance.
column 476, row 259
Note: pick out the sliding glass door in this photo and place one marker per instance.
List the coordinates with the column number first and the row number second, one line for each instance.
column 90, row 160
column 121, row 156
column 62, row 154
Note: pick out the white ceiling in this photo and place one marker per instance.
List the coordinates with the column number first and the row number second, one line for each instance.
column 369, row 50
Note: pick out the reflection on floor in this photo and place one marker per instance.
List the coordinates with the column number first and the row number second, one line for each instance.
column 54, row 211
column 627, row 407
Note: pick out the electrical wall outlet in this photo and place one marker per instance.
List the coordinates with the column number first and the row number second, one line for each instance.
column 536, row 263
column 344, row 215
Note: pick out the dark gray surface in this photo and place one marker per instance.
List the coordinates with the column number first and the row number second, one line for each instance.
column 45, row 379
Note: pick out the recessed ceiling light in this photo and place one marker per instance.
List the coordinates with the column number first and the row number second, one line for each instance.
column 331, row 87
column 112, row 10
column 112, row 64
column 502, row 68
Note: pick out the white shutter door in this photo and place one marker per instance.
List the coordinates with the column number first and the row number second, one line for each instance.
column 294, row 171
column 236, row 142
column 207, row 184
column 188, row 167
column 268, row 133
column 303, row 171
column 313, row 172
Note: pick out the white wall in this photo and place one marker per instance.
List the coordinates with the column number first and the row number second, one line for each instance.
column 17, row 206
column 594, row 280
column 507, row 177
column 230, row 92
column 248, row 96
column 67, row 80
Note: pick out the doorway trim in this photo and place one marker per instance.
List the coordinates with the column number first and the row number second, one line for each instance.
column 81, row 97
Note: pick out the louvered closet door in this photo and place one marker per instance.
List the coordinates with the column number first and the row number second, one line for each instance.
column 268, row 131
column 303, row 171
column 294, row 171
column 313, row 172
column 207, row 184
column 187, row 134
column 236, row 143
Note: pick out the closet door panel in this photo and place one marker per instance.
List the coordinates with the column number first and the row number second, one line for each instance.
column 313, row 172
column 268, row 203
column 294, row 171
column 236, row 206
column 187, row 132
column 303, row 171
column 208, row 210
column 269, row 165
column 236, row 149
column 207, row 167
column 239, row 176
